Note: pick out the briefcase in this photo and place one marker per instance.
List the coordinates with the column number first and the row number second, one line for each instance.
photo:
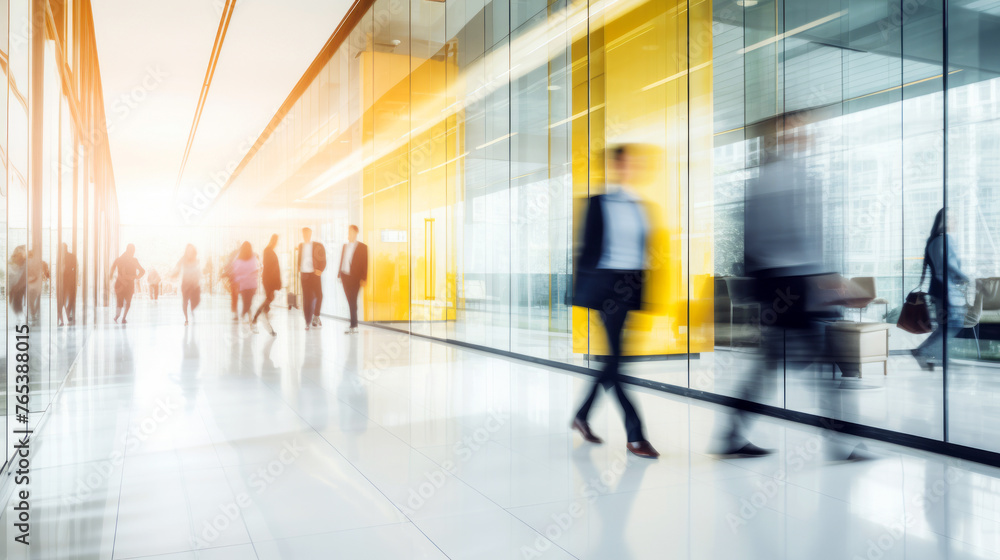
column 292, row 301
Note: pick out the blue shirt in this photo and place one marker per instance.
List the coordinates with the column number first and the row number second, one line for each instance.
column 625, row 230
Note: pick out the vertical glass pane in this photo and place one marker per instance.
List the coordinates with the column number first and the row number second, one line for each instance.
column 541, row 188
column 390, row 245
column 432, row 289
column 700, row 218
column 17, row 188
column 922, row 195
column 5, row 182
column 483, row 238
column 488, row 248
column 645, row 89
column 973, row 204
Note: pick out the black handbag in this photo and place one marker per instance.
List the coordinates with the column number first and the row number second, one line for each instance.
column 915, row 316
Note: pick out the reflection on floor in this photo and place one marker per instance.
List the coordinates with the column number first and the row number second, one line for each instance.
column 907, row 399
column 214, row 443
column 56, row 347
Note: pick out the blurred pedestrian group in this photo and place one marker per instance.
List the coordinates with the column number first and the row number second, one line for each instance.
column 241, row 274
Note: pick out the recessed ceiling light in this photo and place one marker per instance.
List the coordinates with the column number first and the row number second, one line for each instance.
column 746, row 3
column 554, row 88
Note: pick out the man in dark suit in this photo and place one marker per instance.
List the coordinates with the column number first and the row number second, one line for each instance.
column 311, row 262
column 353, row 272
column 609, row 279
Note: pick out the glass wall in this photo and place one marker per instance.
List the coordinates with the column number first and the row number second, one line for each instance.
column 972, row 115
column 463, row 137
column 57, row 190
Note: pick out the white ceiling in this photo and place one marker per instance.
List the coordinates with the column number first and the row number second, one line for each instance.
column 153, row 57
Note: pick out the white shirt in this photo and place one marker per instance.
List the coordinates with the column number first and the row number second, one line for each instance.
column 624, row 232
column 349, row 248
column 306, row 262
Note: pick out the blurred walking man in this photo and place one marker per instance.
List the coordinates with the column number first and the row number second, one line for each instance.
column 609, row 280
column 129, row 270
column 353, row 272
column 311, row 262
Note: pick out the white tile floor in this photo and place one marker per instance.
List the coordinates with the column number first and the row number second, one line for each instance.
column 214, row 443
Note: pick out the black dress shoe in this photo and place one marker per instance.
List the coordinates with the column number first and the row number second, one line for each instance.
column 584, row 428
column 747, row 450
column 857, row 454
column 861, row 453
column 642, row 449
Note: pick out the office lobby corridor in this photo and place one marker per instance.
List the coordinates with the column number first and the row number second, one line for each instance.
column 211, row 442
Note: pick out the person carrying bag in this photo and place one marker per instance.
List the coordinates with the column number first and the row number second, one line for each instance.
column 946, row 291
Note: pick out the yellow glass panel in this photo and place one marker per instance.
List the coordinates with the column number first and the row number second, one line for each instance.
column 639, row 82
column 631, row 78
column 701, row 200
column 406, row 189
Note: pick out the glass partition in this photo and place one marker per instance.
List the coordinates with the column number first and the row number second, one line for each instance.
column 18, row 69
column 970, row 247
column 465, row 137
column 60, row 205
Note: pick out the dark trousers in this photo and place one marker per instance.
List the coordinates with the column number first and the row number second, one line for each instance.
column 351, row 289
column 614, row 323
column 266, row 306
column 247, row 296
column 791, row 335
column 67, row 301
column 949, row 323
column 71, row 302
column 759, row 384
column 312, row 296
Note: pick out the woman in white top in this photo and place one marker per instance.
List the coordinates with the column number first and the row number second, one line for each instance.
column 190, row 273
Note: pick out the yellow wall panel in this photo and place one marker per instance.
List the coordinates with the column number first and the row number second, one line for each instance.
column 639, row 84
column 406, row 198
